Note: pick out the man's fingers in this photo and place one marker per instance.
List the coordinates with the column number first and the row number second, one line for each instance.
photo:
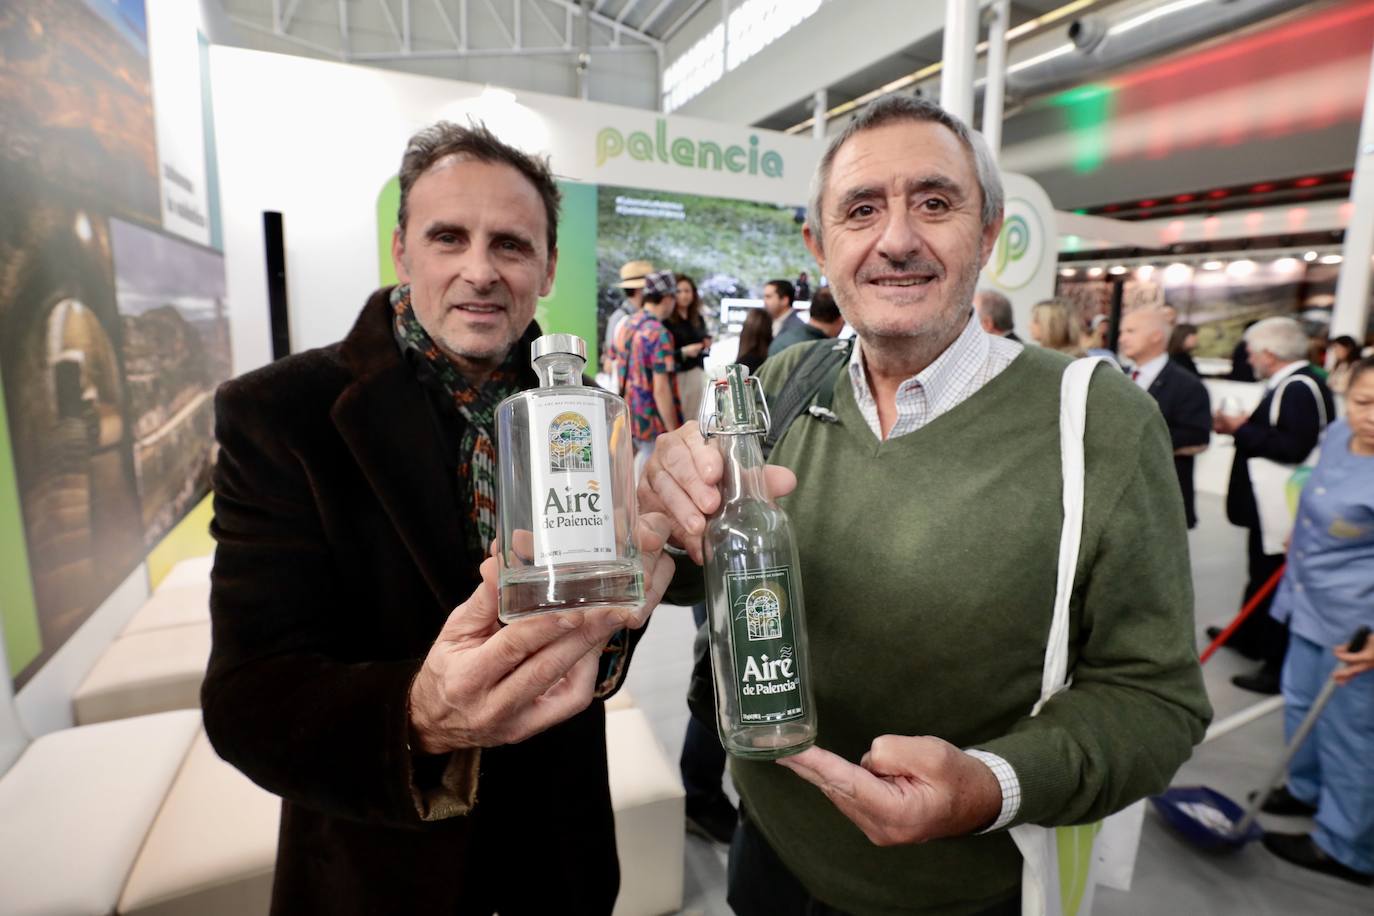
column 779, row 480
column 541, row 669
column 565, row 699
column 658, row 575
column 835, row 776
column 653, row 532
column 522, row 545
column 906, row 755
column 681, row 478
column 858, row 794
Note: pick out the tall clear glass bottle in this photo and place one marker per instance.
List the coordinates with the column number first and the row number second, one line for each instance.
column 764, row 704
column 566, row 500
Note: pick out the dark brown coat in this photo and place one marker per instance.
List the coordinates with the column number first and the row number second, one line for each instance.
column 341, row 553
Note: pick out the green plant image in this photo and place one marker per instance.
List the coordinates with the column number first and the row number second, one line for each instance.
column 730, row 247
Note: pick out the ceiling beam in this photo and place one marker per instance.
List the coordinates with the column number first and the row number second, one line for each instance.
column 474, row 53
column 626, row 10
column 548, row 23
column 291, row 39
column 290, row 14
column 448, row 24
column 682, row 20
column 658, row 11
column 510, row 39
column 607, row 21
column 391, row 21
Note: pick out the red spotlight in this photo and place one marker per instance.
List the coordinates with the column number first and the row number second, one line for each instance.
column 1111, row 208
column 1263, row 187
column 1184, row 198
column 1307, row 182
column 1146, row 204
column 1349, row 176
column 1218, row 194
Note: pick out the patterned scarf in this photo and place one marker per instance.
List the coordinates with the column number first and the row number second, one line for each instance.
column 477, row 452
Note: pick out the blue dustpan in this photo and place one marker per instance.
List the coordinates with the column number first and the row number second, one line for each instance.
column 1205, row 818
column 1211, row 820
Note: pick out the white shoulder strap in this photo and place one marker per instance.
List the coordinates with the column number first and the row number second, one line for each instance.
column 1073, row 411
column 1277, row 402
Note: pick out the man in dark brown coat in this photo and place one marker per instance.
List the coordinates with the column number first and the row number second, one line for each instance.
column 429, row 760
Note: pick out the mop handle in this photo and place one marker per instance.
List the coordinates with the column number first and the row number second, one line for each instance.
column 1356, row 644
column 1246, row 610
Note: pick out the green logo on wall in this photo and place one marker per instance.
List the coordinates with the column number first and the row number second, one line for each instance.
column 702, row 154
column 1017, row 255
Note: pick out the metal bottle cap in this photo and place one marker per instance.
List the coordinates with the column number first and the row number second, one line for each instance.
column 549, row 344
column 737, row 405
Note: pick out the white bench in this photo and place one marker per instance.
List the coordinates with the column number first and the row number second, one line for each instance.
column 212, row 849
column 158, row 660
column 76, row 806
column 649, row 804
column 172, row 606
column 145, row 672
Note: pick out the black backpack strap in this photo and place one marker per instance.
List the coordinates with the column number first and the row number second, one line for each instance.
column 811, row 384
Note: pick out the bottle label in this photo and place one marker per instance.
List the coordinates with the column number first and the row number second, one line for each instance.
column 763, row 645
column 571, row 492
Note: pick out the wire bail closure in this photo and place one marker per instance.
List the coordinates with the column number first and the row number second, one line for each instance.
column 710, row 420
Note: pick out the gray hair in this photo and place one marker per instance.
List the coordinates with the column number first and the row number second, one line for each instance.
column 1280, row 336
column 893, row 109
column 475, row 141
column 995, row 307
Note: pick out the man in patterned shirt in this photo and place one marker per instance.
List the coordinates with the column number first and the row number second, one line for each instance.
column 644, row 350
column 937, row 475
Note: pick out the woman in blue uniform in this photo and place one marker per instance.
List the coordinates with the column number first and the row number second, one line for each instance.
column 1327, row 593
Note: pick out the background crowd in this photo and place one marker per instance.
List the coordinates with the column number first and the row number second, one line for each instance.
column 1305, row 599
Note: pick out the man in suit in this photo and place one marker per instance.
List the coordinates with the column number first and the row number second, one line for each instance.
column 1278, row 354
column 824, row 321
column 426, row 756
column 1181, row 396
column 994, row 313
column 778, row 296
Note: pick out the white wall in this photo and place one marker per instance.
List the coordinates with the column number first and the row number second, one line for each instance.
column 317, row 140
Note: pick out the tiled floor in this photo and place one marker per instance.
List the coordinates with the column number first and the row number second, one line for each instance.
column 1171, row 877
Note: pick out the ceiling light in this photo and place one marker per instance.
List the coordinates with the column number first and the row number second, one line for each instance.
column 1117, row 269
column 1242, row 268
column 1068, row 272
column 1177, row 273
column 1211, row 265
column 1094, row 271
column 1330, row 259
column 1310, row 256
column 1286, row 265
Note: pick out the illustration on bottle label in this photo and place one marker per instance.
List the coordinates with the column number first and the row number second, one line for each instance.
column 571, row 493
column 767, row 672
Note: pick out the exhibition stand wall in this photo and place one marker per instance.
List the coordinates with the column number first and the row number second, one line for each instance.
column 143, row 281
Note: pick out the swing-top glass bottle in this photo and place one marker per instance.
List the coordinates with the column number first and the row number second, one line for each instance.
column 764, row 703
column 566, row 499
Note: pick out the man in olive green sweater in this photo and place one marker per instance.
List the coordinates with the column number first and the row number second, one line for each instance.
column 927, row 516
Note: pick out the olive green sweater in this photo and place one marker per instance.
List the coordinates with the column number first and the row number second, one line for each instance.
column 928, row 563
